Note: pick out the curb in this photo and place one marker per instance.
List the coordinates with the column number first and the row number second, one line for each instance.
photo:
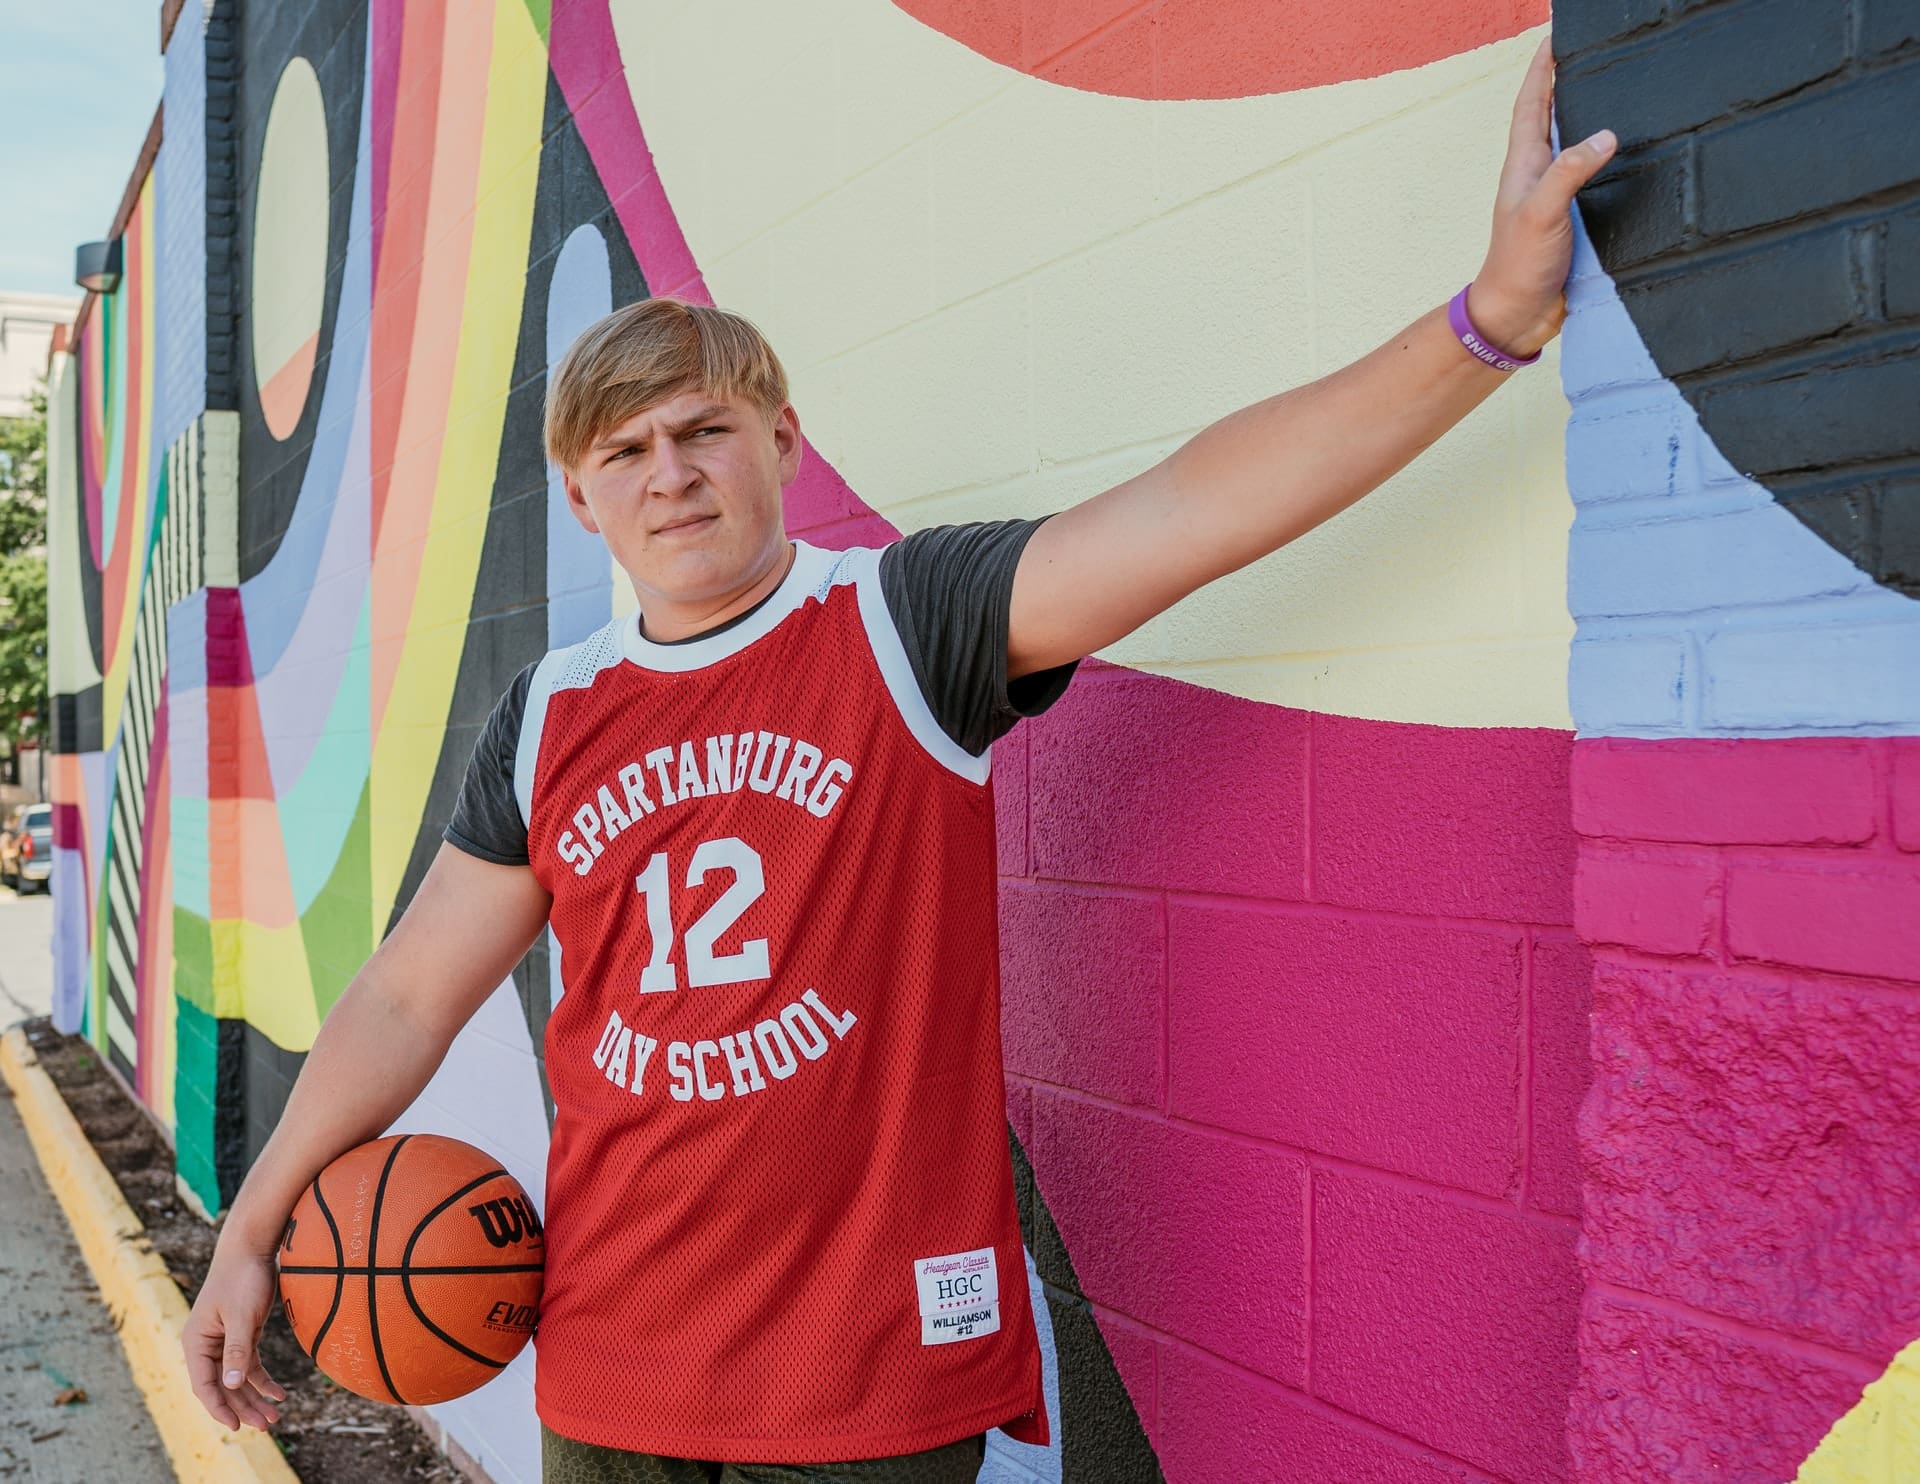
column 147, row 1306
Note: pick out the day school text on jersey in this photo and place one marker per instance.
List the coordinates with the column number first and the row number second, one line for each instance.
column 752, row 759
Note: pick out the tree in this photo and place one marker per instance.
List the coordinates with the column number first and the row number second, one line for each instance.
column 23, row 573
column 23, row 645
column 23, row 477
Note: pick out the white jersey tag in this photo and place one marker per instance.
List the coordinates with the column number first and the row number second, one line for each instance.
column 959, row 1296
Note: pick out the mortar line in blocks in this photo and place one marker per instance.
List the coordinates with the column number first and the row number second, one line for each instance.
column 1472, row 1200
column 1283, row 907
column 1166, row 1013
column 1524, row 1122
column 1306, row 1308
column 1306, row 810
column 1831, row 1356
column 1313, row 1405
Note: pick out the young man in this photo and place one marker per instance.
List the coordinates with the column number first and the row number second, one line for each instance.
column 781, row 1239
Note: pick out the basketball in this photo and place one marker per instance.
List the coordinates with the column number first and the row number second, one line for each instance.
column 410, row 1269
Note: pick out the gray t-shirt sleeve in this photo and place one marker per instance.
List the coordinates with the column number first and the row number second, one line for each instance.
column 949, row 590
column 486, row 815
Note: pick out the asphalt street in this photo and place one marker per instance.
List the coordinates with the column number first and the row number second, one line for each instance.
column 57, row 1341
column 26, row 956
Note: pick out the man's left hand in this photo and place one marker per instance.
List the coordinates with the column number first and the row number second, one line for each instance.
column 1518, row 300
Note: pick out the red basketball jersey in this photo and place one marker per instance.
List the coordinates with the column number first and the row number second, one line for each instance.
column 781, row 1222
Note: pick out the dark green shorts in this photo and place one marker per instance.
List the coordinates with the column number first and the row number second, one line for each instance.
column 563, row 1461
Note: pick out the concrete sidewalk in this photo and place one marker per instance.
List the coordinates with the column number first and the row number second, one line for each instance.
column 56, row 1333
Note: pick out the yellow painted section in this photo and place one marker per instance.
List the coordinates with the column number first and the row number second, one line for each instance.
column 407, row 740
column 133, row 439
column 278, row 998
column 1878, row 1442
column 147, row 1307
column 998, row 296
column 229, row 960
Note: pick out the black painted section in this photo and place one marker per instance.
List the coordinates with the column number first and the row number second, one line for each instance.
column 1762, row 223
column 331, row 35
column 74, row 721
column 267, row 1076
column 231, row 1159
column 80, row 531
column 1101, row 1439
column 222, row 218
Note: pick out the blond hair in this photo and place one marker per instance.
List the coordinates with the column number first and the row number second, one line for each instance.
column 646, row 353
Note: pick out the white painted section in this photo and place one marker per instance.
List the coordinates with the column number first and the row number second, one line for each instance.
column 1007, row 1461
column 487, row 1092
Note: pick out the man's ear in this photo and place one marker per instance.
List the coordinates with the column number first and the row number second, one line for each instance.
column 787, row 440
column 577, row 502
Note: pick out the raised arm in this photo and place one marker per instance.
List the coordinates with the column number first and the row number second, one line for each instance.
column 467, row 926
column 1250, row 483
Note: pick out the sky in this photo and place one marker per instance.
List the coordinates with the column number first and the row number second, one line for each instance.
column 79, row 80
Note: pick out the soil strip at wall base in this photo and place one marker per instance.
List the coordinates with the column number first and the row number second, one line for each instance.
column 329, row 1435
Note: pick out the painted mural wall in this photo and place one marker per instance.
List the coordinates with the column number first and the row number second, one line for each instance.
column 1291, row 878
column 1743, row 451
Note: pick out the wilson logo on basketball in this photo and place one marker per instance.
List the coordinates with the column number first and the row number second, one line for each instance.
column 511, row 1317
column 506, row 1220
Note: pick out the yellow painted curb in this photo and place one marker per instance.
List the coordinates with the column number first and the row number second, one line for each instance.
column 146, row 1304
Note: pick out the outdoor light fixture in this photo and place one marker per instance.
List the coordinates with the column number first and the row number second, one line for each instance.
column 96, row 266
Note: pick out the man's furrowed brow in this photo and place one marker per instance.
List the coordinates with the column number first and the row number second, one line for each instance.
column 678, row 425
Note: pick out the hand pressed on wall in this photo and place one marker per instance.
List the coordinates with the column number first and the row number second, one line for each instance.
column 1518, row 297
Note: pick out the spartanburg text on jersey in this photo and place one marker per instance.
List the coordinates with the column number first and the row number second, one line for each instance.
column 781, row 1222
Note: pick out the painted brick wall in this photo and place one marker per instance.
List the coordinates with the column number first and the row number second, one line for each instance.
column 1760, row 228
column 1750, row 1185
column 180, row 239
column 1741, row 360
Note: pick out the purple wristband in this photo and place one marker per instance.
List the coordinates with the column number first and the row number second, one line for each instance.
column 1476, row 343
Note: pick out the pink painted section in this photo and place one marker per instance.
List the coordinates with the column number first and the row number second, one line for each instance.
column 1210, row 1411
column 1398, row 1044
column 1750, row 1189
column 1663, row 1398
column 386, row 19
column 1143, row 781
column 1186, row 1232
column 1294, row 1029
column 1448, row 1323
column 1905, row 770
column 152, row 977
column 1389, row 1043
column 1802, row 791
column 1559, row 1009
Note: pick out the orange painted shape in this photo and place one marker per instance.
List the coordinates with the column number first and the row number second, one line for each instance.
column 284, row 397
column 266, row 890
column 400, row 537
column 1219, row 48
column 403, row 232
column 237, row 766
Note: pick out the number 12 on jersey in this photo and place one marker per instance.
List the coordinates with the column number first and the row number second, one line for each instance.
column 704, row 966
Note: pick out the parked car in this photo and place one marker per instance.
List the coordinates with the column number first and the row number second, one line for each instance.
column 26, row 847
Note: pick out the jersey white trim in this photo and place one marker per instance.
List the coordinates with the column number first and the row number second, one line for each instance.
column 803, row 580
column 568, row 668
column 862, row 566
